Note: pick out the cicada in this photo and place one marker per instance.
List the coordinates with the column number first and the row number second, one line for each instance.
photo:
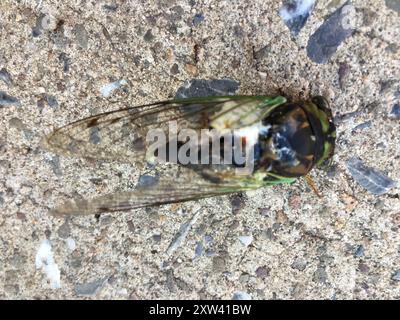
column 286, row 139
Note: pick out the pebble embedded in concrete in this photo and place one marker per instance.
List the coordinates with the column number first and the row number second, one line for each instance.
column 324, row 42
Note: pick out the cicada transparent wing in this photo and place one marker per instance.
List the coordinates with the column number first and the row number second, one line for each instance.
column 189, row 186
column 121, row 136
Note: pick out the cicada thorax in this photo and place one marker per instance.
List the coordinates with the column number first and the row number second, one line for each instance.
column 288, row 148
column 301, row 135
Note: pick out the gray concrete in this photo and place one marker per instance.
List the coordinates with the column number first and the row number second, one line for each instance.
column 278, row 243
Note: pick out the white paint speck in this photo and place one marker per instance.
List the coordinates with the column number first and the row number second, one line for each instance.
column 302, row 7
column 246, row 240
column 71, row 244
column 45, row 260
column 107, row 89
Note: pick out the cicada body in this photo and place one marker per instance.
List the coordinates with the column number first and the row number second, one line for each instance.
column 222, row 144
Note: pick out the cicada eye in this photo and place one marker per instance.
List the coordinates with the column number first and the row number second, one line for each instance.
column 322, row 103
column 328, row 127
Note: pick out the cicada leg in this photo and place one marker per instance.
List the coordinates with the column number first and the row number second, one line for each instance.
column 312, row 185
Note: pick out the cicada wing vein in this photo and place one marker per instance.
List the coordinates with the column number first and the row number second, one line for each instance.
column 120, row 135
column 188, row 186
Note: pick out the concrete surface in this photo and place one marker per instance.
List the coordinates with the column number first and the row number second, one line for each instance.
column 278, row 243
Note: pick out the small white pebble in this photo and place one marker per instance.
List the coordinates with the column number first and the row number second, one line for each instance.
column 122, row 292
column 107, row 89
column 240, row 295
column 246, row 240
column 41, row 90
column 48, row 22
column 263, row 75
column 71, row 244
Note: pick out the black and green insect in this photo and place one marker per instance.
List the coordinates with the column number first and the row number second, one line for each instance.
column 288, row 140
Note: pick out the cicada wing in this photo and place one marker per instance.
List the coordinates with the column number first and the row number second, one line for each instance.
column 116, row 135
column 121, row 135
column 188, row 186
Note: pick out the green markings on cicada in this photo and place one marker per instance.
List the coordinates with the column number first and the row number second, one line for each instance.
column 276, row 101
column 328, row 135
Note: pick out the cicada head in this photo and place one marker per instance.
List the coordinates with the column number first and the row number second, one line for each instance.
column 301, row 136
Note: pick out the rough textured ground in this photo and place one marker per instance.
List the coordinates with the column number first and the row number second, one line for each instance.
column 278, row 243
